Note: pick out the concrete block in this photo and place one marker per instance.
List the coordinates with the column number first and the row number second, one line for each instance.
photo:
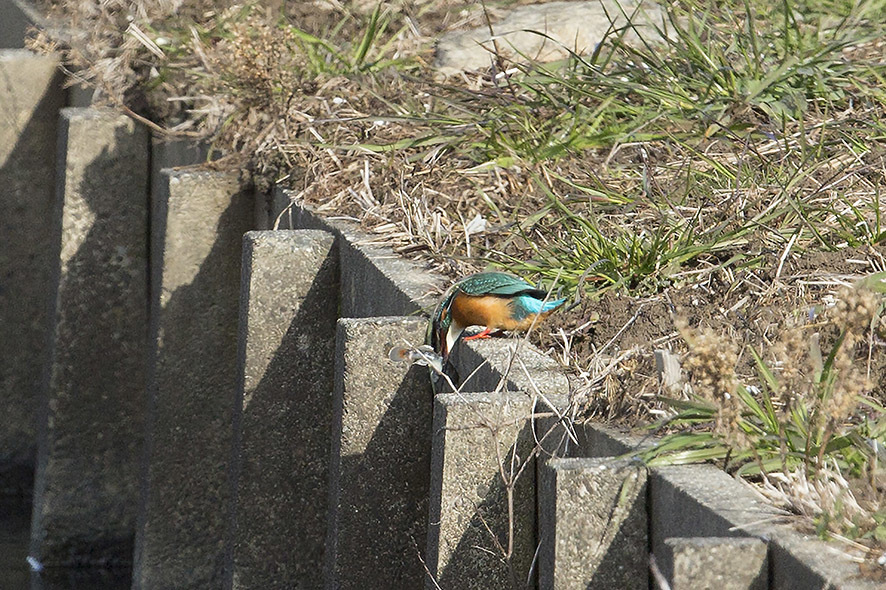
column 798, row 560
column 703, row 501
column 592, row 524
column 86, row 484
column 698, row 501
column 166, row 153
column 375, row 281
column 379, row 476
column 482, row 496
column 30, row 97
column 506, row 363
column 80, row 95
column 718, row 563
column 198, row 222
column 599, row 440
column 553, row 426
column 288, row 310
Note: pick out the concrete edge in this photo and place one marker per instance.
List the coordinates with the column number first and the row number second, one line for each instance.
column 793, row 556
column 414, row 287
column 705, row 501
column 411, row 289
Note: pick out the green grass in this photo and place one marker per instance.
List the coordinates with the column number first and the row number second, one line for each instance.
column 771, row 97
column 807, row 412
column 751, row 133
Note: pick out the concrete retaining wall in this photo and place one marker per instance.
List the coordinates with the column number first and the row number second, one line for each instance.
column 481, row 530
column 30, row 98
column 306, row 459
column 288, row 311
column 381, row 432
column 86, row 483
column 15, row 18
column 198, row 223
column 607, row 546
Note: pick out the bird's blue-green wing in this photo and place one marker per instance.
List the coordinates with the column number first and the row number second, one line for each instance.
column 494, row 283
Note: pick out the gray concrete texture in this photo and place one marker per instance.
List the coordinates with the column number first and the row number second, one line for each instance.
column 703, row 501
column 288, row 311
column 553, row 426
column 14, row 23
column 513, row 364
column 198, row 222
column 399, row 287
column 717, row 563
column 86, row 485
column 794, row 555
column 379, row 477
column 181, row 153
column 599, row 440
column 548, row 32
column 592, row 524
column 30, row 97
column 375, row 281
column 482, row 446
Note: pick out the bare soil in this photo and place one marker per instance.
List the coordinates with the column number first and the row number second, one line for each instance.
column 751, row 312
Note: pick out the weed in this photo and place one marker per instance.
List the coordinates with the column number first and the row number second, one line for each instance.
column 808, row 419
column 713, row 156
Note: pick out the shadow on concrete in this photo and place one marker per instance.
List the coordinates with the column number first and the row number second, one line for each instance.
column 384, row 491
column 612, row 566
column 284, row 433
column 13, row 25
column 192, row 390
column 27, row 258
column 86, row 480
column 478, row 562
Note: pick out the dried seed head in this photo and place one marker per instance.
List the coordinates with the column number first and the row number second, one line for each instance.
column 855, row 308
column 852, row 315
column 711, row 364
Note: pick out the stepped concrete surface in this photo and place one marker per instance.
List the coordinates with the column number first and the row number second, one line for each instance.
column 180, row 153
column 288, row 311
column 86, row 485
column 724, row 563
column 375, row 281
column 30, row 96
column 401, row 287
column 198, row 222
column 592, row 524
column 703, row 501
column 550, row 31
column 482, row 364
column 482, row 445
column 379, row 478
column 599, row 440
column 91, row 417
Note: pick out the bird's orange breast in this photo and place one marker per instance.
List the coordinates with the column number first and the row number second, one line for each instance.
column 483, row 310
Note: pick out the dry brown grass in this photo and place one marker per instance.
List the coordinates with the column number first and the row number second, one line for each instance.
column 760, row 195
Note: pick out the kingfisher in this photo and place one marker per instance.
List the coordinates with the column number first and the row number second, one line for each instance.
column 495, row 300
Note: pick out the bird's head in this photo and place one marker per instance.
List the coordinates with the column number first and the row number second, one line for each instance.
column 439, row 335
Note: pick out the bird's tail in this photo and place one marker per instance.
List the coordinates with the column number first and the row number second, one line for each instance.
column 552, row 305
column 533, row 305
